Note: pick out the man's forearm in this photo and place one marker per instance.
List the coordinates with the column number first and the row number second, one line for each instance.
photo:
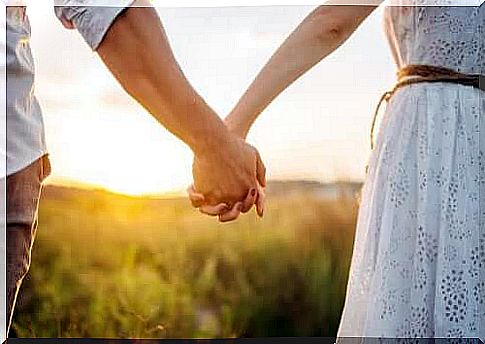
column 137, row 52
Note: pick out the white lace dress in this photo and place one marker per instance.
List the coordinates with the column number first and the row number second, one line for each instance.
column 418, row 268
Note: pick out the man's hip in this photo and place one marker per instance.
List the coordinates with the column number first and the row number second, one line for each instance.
column 22, row 200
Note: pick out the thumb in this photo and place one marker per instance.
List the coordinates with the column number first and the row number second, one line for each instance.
column 260, row 171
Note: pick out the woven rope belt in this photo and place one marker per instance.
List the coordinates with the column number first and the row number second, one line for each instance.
column 415, row 74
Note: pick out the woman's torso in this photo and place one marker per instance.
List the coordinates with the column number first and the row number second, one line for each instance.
column 446, row 36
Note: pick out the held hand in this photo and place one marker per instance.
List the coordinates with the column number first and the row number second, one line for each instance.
column 234, row 213
column 228, row 175
column 221, row 210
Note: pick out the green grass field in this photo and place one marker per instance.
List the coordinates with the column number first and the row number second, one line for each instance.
column 106, row 265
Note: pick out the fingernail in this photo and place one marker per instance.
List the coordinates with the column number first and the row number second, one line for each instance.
column 253, row 192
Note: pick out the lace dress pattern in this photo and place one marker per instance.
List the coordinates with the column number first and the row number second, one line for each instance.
column 418, row 267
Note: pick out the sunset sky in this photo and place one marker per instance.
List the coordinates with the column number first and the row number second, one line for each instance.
column 318, row 129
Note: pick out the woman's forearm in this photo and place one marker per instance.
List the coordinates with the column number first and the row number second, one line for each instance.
column 320, row 33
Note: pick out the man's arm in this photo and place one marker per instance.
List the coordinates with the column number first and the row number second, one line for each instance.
column 137, row 52
column 133, row 45
column 135, row 48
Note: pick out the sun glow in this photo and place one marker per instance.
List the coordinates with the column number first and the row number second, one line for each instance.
column 123, row 152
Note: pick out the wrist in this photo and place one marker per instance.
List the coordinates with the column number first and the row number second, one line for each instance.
column 211, row 140
column 236, row 126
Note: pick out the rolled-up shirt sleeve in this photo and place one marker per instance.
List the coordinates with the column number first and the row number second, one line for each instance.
column 92, row 21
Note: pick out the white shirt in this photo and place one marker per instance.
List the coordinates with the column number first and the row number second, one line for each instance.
column 25, row 135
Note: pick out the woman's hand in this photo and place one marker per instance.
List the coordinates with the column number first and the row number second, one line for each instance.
column 222, row 210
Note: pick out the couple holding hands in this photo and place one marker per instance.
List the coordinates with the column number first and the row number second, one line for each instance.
column 417, row 267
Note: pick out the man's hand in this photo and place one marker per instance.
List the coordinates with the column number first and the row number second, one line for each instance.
column 213, row 203
column 137, row 52
column 229, row 174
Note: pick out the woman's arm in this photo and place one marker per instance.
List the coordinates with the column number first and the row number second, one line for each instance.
column 320, row 33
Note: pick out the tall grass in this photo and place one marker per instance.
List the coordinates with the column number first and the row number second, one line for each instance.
column 112, row 266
